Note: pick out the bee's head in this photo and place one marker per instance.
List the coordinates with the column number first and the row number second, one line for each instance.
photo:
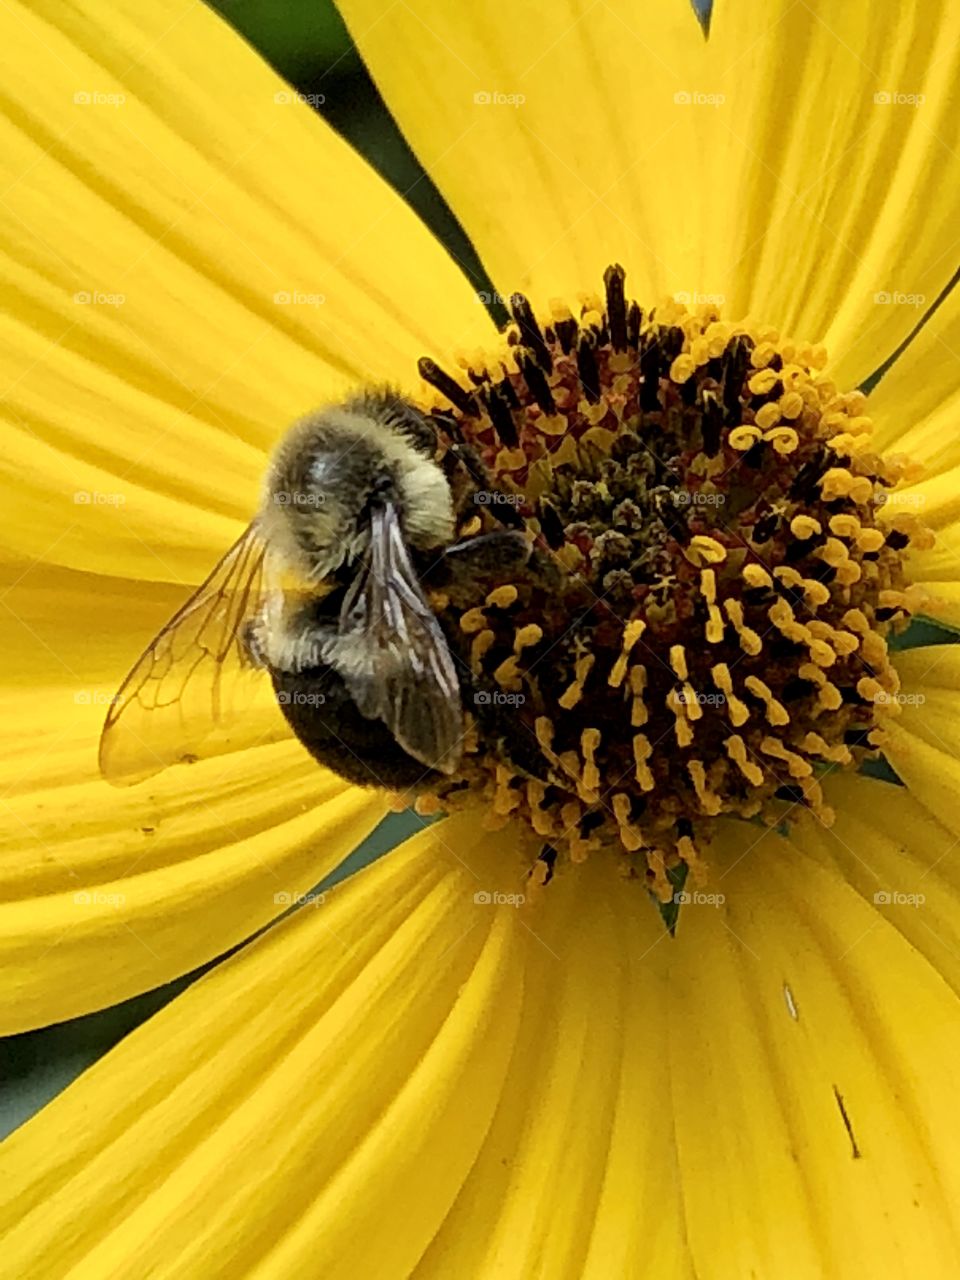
column 330, row 473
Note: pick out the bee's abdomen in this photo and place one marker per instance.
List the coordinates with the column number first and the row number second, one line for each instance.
column 322, row 714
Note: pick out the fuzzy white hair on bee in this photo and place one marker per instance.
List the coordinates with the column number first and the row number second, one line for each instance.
column 337, row 466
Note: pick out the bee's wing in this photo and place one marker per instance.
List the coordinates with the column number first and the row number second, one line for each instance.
column 188, row 682
column 404, row 672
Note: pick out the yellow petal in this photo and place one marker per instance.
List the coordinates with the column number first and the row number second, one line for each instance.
column 924, row 740
column 412, row 1079
column 107, row 892
column 899, row 858
column 914, row 406
column 941, row 578
column 834, row 170
column 577, row 1175
column 309, row 1107
column 192, row 259
column 810, row 1062
column 553, row 133
column 756, row 169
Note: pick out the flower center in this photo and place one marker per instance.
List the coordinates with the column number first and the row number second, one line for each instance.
column 701, row 628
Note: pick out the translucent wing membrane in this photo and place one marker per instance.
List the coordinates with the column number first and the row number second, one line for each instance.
column 195, row 682
column 408, row 678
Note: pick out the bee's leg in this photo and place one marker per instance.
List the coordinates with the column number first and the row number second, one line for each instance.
column 475, row 564
column 480, row 489
column 254, row 643
column 300, row 643
column 505, row 550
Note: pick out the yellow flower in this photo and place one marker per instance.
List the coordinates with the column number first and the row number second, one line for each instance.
column 414, row 1076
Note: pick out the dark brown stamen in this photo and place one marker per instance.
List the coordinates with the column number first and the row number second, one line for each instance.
column 447, row 386
column 613, row 279
column 523, row 314
column 587, row 369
